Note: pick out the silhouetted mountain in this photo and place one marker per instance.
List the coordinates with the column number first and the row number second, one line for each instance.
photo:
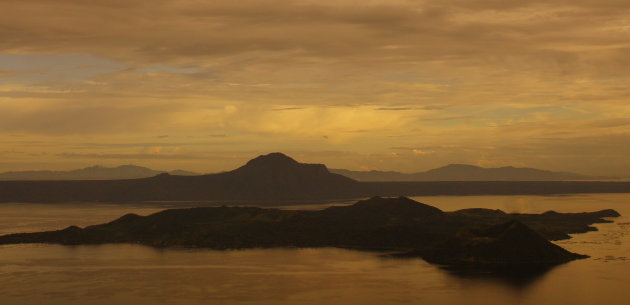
column 394, row 224
column 273, row 177
column 279, row 168
column 464, row 172
column 91, row 173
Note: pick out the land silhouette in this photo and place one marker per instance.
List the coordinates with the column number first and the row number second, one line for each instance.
column 478, row 237
column 92, row 173
column 465, row 172
column 276, row 179
column 451, row 172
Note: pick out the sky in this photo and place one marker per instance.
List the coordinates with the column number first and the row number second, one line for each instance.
column 357, row 84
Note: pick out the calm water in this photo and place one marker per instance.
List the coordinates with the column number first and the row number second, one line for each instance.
column 131, row 274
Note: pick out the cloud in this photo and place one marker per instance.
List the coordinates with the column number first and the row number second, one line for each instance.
column 475, row 79
column 287, row 108
column 67, row 118
column 394, row 108
column 7, row 73
column 337, row 123
column 152, row 156
column 190, row 31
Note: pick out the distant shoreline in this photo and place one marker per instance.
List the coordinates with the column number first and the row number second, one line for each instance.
column 129, row 191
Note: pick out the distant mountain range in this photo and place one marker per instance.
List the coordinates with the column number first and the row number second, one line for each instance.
column 452, row 172
column 276, row 179
column 464, row 172
column 91, row 173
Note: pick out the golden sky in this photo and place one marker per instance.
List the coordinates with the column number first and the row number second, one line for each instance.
column 389, row 85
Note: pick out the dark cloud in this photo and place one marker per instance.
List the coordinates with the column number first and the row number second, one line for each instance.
column 175, row 30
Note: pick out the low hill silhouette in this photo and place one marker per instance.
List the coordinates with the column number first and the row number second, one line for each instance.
column 91, row 173
column 465, row 172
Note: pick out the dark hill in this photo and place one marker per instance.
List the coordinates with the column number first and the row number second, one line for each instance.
column 509, row 243
column 278, row 175
column 275, row 177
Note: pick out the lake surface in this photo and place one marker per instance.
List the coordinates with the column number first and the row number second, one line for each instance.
column 132, row 274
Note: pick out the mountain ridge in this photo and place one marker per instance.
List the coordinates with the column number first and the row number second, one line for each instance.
column 94, row 172
column 467, row 172
column 275, row 179
column 450, row 172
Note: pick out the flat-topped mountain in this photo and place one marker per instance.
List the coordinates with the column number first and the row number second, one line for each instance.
column 272, row 177
column 91, row 173
column 394, row 224
column 277, row 168
column 465, row 172
column 278, row 162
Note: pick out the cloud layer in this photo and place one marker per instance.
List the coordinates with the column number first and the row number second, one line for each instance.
column 536, row 83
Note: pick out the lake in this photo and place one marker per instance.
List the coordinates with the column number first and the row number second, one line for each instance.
column 133, row 274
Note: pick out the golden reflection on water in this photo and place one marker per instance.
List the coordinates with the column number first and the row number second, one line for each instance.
column 133, row 274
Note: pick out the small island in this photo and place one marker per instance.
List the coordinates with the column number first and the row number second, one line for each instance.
column 397, row 225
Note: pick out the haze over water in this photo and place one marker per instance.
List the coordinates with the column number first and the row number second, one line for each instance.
column 133, row 274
